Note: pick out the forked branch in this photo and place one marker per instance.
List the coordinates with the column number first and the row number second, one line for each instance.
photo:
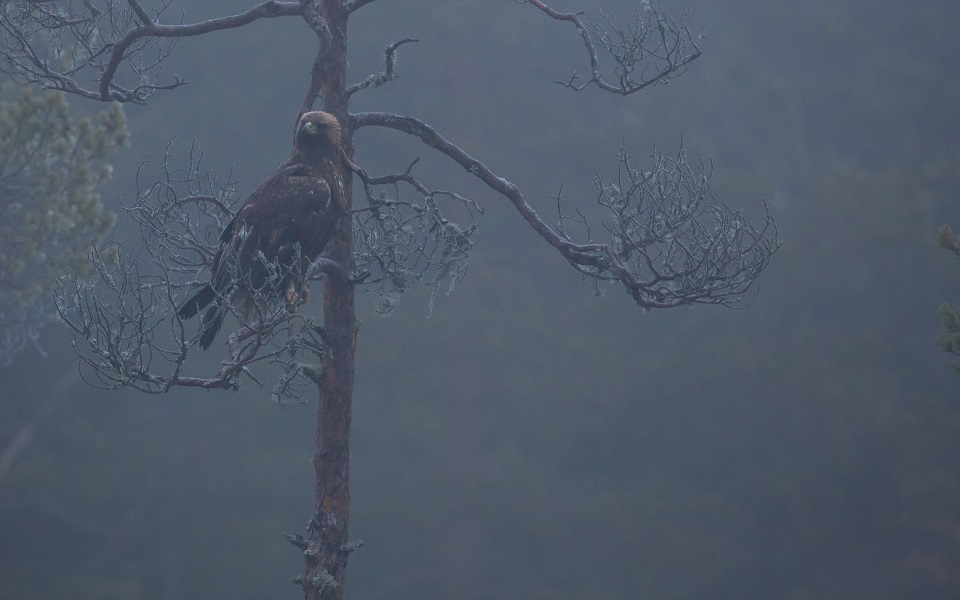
column 650, row 50
column 400, row 239
column 671, row 241
column 59, row 45
column 387, row 75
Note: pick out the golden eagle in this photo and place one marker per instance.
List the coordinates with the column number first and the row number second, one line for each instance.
column 267, row 247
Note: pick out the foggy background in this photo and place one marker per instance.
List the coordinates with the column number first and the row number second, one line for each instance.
column 528, row 439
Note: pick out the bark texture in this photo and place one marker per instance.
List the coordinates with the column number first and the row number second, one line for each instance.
column 329, row 546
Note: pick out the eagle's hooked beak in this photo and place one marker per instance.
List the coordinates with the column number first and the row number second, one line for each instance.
column 311, row 128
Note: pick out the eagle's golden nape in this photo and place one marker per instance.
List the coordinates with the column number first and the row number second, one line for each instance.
column 266, row 249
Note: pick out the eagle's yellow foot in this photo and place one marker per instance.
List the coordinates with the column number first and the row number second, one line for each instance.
column 293, row 298
column 291, row 295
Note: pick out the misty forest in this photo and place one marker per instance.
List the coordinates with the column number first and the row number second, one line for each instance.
column 634, row 300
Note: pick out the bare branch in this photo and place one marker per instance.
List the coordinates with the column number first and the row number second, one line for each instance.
column 352, row 5
column 652, row 49
column 268, row 9
column 54, row 45
column 181, row 214
column 385, row 76
column 141, row 14
column 399, row 241
column 672, row 242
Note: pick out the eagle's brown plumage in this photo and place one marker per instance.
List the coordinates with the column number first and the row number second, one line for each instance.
column 283, row 226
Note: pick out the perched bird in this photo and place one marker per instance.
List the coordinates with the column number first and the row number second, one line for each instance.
column 283, row 226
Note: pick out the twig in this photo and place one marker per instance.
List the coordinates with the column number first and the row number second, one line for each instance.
column 385, row 76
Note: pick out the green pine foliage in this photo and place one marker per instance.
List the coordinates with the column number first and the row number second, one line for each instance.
column 51, row 166
column 949, row 315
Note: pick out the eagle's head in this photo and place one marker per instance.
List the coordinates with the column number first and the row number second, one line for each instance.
column 318, row 129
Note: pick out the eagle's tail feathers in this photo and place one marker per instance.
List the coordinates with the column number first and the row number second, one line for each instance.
column 212, row 321
column 199, row 300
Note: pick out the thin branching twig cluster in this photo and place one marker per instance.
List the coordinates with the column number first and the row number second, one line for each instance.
column 77, row 46
column 124, row 318
column 649, row 49
column 685, row 245
column 402, row 241
column 181, row 213
column 671, row 241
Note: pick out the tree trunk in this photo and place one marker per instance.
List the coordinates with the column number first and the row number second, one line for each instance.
column 328, row 544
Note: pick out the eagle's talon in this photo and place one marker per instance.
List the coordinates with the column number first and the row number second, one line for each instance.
column 295, row 299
